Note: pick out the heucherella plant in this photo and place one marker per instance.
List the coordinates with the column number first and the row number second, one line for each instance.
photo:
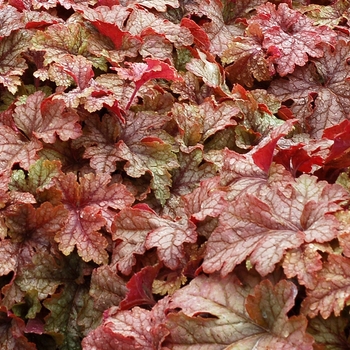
column 174, row 174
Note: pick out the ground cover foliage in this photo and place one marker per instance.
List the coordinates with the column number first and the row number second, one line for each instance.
column 174, row 174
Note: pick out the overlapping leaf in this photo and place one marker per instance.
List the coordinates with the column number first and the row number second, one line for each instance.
column 86, row 202
column 262, row 226
column 324, row 83
column 331, row 291
column 240, row 320
column 292, row 34
column 140, row 229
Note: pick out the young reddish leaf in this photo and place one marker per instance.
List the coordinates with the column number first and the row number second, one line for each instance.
column 36, row 19
column 263, row 153
column 324, row 84
column 263, row 225
column 12, row 65
column 289, row 32
column 129, row 329
column 140, row 288
column 142, row 72
column 332, row 288
column 44, row 118
column 107, row 288
column 200, row 37
column 86, row 202
column 14, row 149
column 11, row 20
column 268, row 307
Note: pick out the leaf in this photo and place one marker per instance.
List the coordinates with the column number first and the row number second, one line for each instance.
column 209, row 70
column 142, row 72
column 198, row 122
column 141, row 19
column 140, row 288
column 11, row 20
column 219, row 33
column 39, row 178
column 99, row 139
column 245, row 60
column 329, row 332
column 129, row 329
column 154, row 157
column 324, row 83
column 12, row 65
column 61, row 321
column 58, row 40
column 205, row 200
column 331, row 291
column 223, row 304
column 86, row 202
column 141, row 229
column 268, row 307
column 303, row 262
column 79, row 68
column 192, row 170
column 330, row 15
column 289, row 32
column 263, row 226
column 44, row 118
column 107, row 288
column 12, row 332
column 160, row 6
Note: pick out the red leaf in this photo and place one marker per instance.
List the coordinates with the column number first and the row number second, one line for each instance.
column 86, row 203
column 332, row 288
column 140, row 288
column 240, row 320
column 140, row 229
column 263, row 154
column 44, row 118
column 14, row 149
column 199, row 35
column 141, row 72
column 129, row 329
column 320, row 90
column 290, row 32
column 262, row 225
column 11, row 20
